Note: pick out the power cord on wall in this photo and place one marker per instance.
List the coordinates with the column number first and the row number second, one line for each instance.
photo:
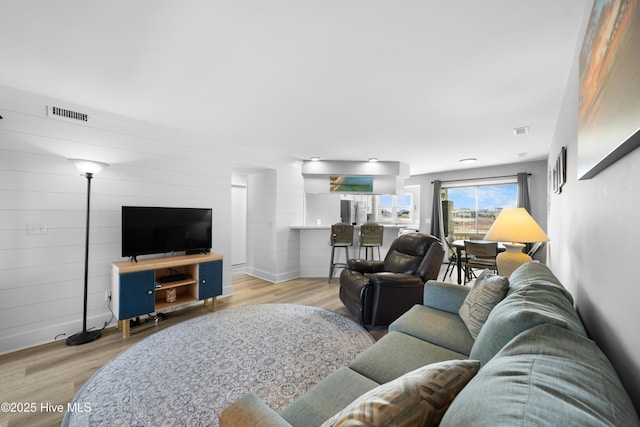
column 112, row 315
column 62, row 335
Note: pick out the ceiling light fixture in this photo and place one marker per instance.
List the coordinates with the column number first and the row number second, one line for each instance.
column 468, row 161
column 373, row 159
column 315, row 159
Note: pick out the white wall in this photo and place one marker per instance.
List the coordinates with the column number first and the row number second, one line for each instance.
column 275, row 202
column 41, row 276
column 324, row 208
column 594, row 227
column 289, row 211
column 261, row 218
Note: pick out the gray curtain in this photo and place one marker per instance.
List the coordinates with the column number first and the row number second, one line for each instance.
column 523, row 198
column 523, row 191
column 436, row 213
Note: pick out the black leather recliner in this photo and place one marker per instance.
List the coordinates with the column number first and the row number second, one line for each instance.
column 378, row 292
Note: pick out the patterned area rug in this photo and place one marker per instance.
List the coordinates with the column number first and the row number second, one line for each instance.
column 188, row 373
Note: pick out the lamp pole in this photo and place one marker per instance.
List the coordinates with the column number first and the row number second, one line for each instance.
column 85, row 336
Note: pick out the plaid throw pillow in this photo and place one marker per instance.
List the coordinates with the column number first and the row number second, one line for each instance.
column 488, row 290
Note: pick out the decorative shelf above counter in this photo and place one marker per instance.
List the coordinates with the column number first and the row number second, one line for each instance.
column 387, row 177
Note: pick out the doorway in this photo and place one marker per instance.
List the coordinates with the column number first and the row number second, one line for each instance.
column 238, row 228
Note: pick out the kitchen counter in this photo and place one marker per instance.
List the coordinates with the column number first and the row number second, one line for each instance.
column 315, row 250
column 328, row 226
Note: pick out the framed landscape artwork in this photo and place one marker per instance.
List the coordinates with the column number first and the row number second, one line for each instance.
column 351, row 184
column 609, row 92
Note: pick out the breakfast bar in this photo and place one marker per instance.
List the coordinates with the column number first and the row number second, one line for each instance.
column 315, row 251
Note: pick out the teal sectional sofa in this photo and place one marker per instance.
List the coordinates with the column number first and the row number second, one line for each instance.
column 537, row 364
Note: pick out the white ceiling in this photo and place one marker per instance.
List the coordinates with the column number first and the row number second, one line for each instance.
column 423, row 82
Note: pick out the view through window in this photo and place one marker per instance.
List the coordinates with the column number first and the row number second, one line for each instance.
column 468, row 212
column 395, row 208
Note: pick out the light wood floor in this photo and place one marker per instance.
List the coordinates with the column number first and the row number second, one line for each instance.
column 53, row 373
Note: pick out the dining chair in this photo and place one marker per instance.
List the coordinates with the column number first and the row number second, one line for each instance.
column 535, row 249
column 453, row 257
column 479, row 255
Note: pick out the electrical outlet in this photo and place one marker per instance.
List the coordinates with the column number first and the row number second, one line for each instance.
column 107, row 296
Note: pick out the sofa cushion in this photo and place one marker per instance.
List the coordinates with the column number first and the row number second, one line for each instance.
column 395, row 354
column 487, row 291
column 326, row 398
column 534, row 272
column 547, row 375
column 418, row 398
column 444, row 296
column 435, row 326
column 250, row 410
column 523, row 308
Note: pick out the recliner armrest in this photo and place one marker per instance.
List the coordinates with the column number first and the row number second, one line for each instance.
column 444, row 296
column 250, row 410
column 365, row 265
column 396, row 280
column 393, row 295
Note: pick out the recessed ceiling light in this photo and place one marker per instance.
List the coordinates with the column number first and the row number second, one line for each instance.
column 315, row 159
column 468, row 161
column 373, row 159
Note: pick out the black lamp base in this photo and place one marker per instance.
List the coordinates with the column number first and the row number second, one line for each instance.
column 83, row 337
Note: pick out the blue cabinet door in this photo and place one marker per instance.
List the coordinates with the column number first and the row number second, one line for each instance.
column 209, row 279
column 137, row 294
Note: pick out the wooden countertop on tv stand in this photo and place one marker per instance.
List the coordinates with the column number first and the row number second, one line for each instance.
column 165, row 262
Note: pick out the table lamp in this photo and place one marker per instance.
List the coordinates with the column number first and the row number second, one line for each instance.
column 514, row 227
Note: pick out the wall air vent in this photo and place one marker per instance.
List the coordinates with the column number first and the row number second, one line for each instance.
column 63, row 113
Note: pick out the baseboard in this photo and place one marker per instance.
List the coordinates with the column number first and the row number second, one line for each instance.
column 56, row 332
column 238, row 270
column 273, row 278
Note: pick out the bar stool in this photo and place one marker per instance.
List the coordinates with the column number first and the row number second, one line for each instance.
column 370, row 237
column 341, row 237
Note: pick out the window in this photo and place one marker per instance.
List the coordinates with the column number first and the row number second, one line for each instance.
column 468, row 212
column 395, row 208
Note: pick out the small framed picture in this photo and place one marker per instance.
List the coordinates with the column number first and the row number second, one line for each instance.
column 559, row 175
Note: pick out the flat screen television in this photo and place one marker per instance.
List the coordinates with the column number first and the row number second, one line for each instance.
column 154, row 230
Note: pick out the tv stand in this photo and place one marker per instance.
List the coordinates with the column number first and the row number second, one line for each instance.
column 136, row 289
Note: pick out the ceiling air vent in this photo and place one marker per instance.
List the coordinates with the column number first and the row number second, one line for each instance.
column 63, row 113
column 521, row 130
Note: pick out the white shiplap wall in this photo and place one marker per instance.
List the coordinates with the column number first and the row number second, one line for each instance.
column 41, row 276
column 275, row 202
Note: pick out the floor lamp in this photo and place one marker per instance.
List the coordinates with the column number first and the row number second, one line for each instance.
column 88, row 168
column 514, row 227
